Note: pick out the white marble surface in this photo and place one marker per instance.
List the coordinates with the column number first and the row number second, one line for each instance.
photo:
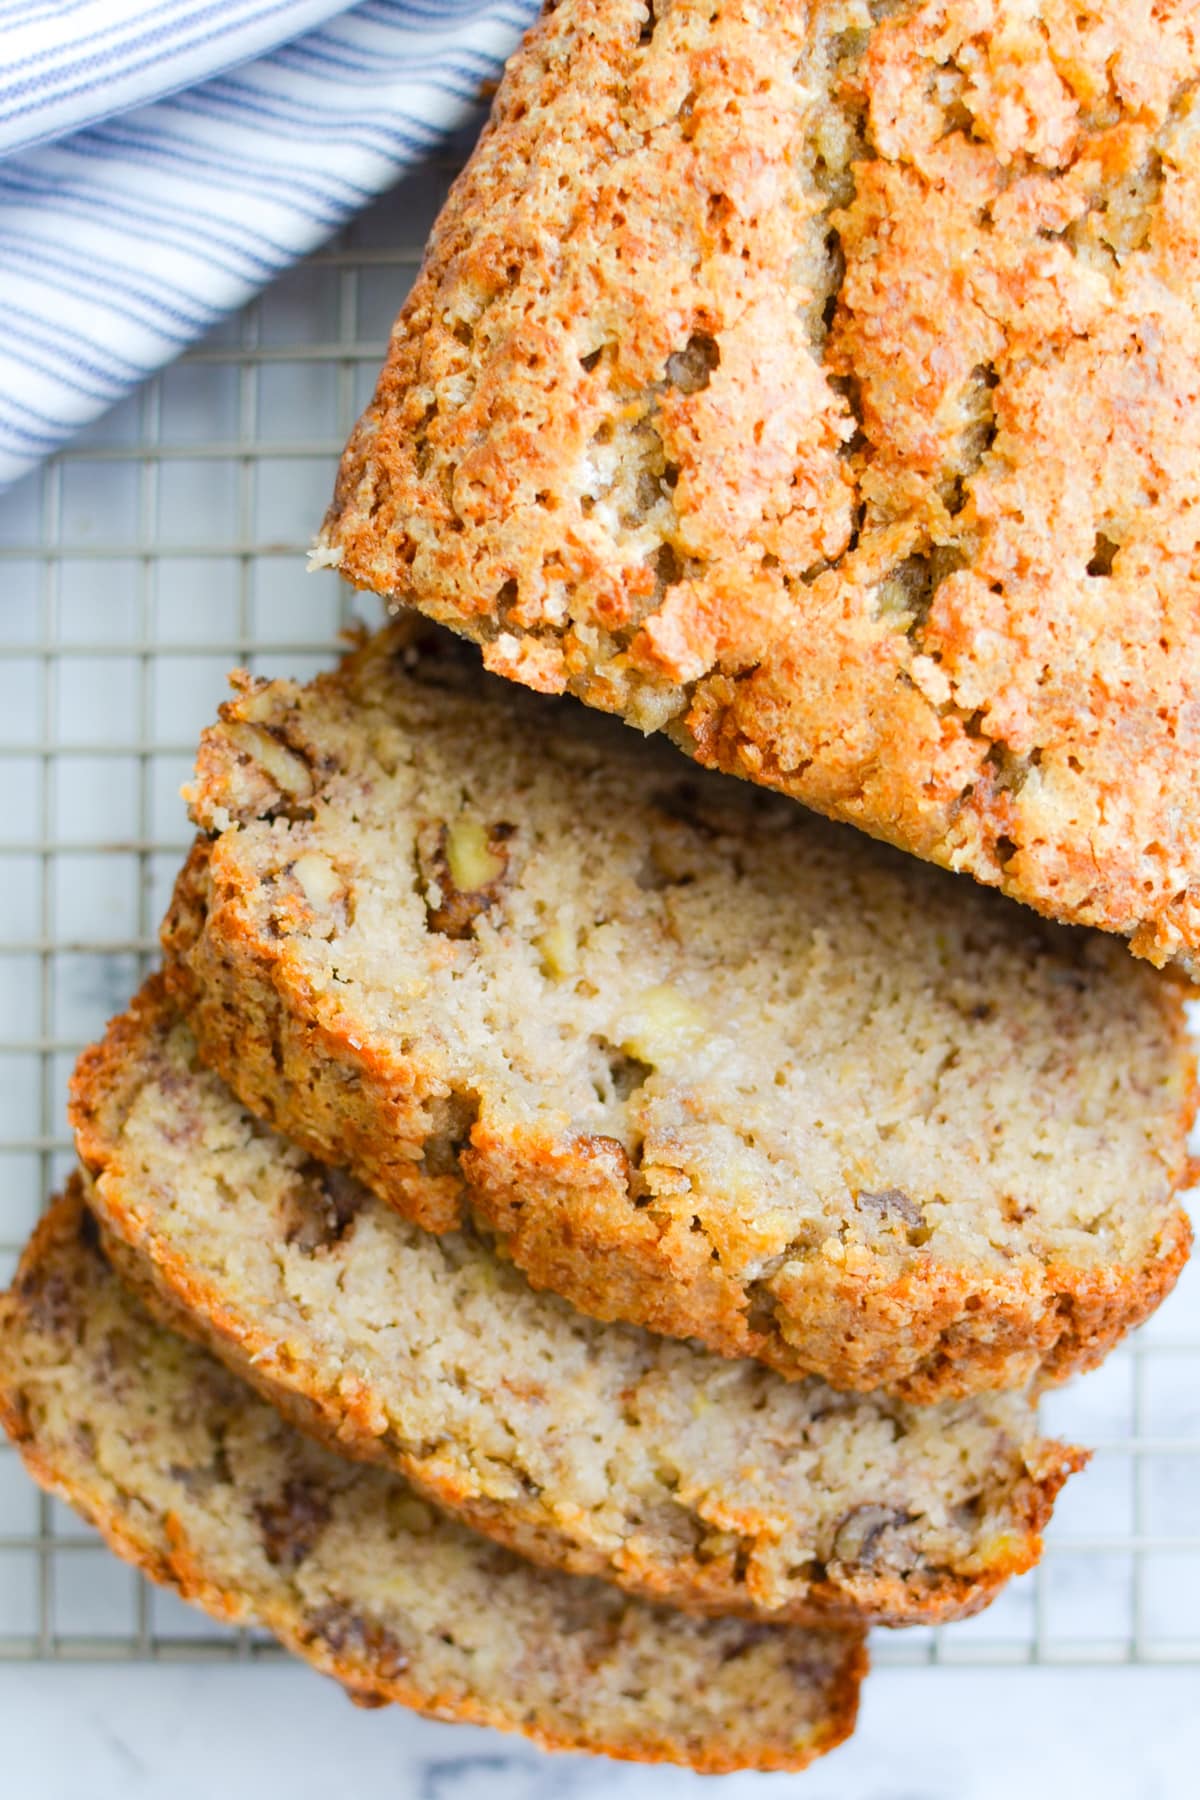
column 278, row 1733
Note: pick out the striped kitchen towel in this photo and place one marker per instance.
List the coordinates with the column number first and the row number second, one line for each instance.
column 162, row 160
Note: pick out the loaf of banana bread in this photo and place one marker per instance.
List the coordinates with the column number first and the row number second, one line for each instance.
column 818, row 383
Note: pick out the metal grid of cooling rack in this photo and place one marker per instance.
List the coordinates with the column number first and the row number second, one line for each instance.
column 164, row 547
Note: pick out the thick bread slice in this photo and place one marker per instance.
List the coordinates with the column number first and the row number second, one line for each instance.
column 818, row 382
column 596, row 1448
column 698, row 1059
column 205, row 1489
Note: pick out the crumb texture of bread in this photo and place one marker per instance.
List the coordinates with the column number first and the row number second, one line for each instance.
column 203, row 1487
column 694, row 1058
column 601, row 1449
column 820, row 383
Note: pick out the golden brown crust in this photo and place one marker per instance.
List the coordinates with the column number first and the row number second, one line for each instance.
column 565, row 1211
column 370, row 1677
column 891, row 1599
column 956, row 1331
column 347, row 1415
column 819, row 383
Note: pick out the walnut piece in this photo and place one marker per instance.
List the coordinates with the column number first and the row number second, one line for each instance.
column 859, row 1537
column 292, row 1524
column 365, row 1640
column 321, row 1207
column 465, row 869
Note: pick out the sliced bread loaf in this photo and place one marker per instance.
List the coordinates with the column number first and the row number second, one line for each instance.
column 598, row 1448
column 698, row 1059
column 818, row 383
column 202, row 1486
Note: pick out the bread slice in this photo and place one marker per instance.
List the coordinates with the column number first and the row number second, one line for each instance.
column 201, row 1486
column 817, row 384
column 596, row 1448
column 698, row 1060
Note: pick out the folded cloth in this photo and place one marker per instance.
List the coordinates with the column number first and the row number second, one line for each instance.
column 152, row 179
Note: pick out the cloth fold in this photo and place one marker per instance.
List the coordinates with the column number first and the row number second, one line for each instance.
column 152, row 179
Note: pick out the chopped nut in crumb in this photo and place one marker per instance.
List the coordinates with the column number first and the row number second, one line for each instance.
column 290, row 773
column 319, row 880
column 465, row 866
column 470, row 857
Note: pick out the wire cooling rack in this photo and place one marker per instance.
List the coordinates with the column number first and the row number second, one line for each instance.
column 162, row 549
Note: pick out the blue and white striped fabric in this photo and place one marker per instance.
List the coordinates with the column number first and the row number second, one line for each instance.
column 162, row 160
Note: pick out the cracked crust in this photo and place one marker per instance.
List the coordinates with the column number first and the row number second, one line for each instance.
column 819, row 384
column 675, row 1474
column 199, row 1485
column 693, row 1064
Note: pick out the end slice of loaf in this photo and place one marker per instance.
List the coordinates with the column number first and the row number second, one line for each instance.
column 816, row 383
column 602, row 1449
column 698, row 1059
column 201, row 1486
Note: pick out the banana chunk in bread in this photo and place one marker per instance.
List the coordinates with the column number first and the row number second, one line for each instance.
column 697, row 1059
column 601, row 1449
column 818, row 383
column 196, row 1482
